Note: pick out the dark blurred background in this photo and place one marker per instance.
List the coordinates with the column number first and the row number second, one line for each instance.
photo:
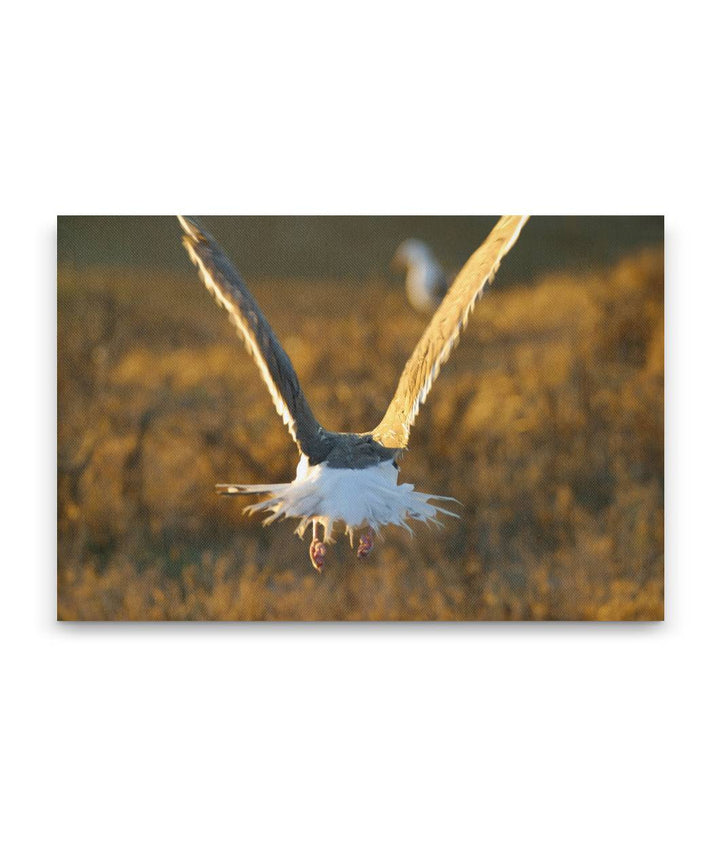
column 353, row 248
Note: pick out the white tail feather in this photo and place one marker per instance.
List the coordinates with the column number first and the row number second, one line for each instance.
column 368, row 497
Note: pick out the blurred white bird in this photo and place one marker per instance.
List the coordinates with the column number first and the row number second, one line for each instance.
column 425, row 280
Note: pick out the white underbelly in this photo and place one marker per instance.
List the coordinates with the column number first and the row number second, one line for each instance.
column 369, row 497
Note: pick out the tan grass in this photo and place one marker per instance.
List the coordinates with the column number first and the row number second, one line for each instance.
column 547, row 424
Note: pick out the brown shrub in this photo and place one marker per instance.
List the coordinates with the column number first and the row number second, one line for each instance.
column 547, row 424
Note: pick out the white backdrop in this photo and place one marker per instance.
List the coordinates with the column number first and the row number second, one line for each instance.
column 359, row 739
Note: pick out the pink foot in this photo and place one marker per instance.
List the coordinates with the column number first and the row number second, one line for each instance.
column 365, row 544
column 318, row 551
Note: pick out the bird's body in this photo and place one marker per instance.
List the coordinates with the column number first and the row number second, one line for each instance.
column 346, row 478
column 368, row 497
column 425, row 280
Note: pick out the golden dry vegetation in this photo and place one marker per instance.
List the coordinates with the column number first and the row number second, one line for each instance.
column 547, row 424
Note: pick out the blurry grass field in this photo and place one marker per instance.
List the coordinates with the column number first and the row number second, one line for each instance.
column 547, row 424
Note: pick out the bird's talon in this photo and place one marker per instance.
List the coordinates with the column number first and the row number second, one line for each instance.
column 318, row 551
column 365, row 545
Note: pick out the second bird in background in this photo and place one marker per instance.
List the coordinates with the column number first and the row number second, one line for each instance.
column 425, row 280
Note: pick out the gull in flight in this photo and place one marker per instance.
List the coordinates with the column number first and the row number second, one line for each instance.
column 347, row 478
column 425, row 281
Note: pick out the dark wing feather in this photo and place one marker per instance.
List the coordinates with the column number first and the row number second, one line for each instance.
column 229, row 290
column 442, row 333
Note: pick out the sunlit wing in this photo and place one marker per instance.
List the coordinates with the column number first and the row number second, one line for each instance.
column 442, row 333
column 229, row 290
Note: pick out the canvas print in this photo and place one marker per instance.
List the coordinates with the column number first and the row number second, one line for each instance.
column 360, row 418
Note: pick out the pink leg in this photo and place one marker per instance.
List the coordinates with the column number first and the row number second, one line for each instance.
column 365, row 544
column 318, row 550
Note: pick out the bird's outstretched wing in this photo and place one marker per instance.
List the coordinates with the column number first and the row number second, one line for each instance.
column 229, row 290
column 442, row 333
